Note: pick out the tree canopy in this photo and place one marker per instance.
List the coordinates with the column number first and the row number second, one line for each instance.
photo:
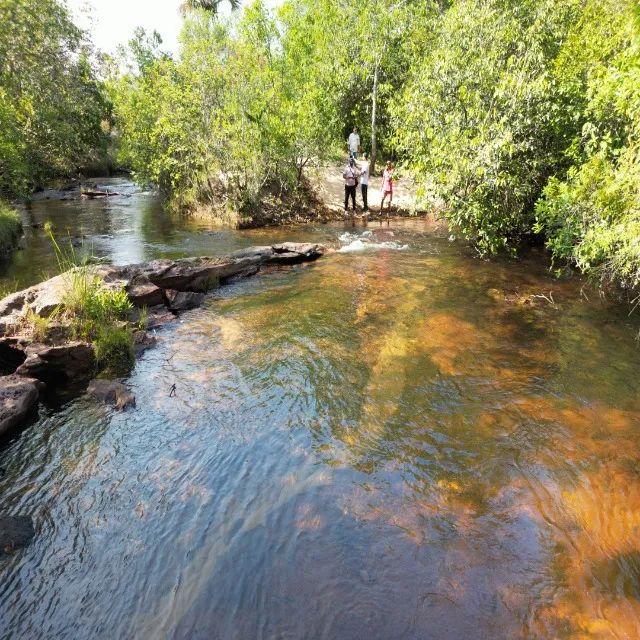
column 53, row 111
column 519, row 119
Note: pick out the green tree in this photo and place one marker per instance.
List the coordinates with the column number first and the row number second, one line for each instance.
column 206, row 5
column 591, row 215
column 53, row 115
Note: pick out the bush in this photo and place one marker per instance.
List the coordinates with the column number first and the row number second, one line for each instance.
column 92, row 305
column 113, row 347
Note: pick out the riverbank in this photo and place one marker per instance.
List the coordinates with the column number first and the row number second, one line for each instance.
column 38, row 348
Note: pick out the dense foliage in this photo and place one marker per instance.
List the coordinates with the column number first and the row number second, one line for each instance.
column 522, row 117
column 51, row 106
column 519, row 118
column 236, row 115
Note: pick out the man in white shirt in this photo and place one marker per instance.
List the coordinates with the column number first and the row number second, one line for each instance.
column 354, row 143
column 364, row 181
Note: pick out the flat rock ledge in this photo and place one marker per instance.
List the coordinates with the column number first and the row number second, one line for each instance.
column 165, row 287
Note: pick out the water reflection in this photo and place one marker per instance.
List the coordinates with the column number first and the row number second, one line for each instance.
column 377, row 445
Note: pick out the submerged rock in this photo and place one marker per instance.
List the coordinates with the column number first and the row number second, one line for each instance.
column 143, row 340
column 112, row 393
column 15, row 532
column 18, row 395
column 158, row 317
column 183, row 300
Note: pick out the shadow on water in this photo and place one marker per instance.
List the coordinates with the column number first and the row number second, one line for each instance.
column 397, row 441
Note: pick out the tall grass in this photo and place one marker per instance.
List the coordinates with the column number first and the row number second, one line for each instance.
column 94, row 311
column 10, row 227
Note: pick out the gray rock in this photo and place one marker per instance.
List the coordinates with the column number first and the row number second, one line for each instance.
column 144, row 294
column 49, row 295
column 183, row 300
column 111, row 392
column 193, row 274
column 15, row 532
column 18, row 395
column 293, row 252
column 58, row 364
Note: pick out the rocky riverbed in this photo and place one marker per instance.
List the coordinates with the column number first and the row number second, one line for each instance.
column 164, row 287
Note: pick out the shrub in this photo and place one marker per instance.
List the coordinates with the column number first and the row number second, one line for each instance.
column 93, row 305
column 113, row 347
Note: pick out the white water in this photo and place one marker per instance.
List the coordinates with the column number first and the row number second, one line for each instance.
column 368, row 240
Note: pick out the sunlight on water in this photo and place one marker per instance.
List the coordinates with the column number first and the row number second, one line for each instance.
column 384, row 444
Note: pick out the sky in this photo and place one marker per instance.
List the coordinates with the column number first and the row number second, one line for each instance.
column 111, row 22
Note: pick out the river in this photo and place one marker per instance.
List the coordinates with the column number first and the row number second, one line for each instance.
column 398, row 441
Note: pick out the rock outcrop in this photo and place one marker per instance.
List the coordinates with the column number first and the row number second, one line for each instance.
column 165, row 287
column 58, row 364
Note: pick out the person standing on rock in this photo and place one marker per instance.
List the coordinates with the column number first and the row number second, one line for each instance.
column 350, row 176
column 387, row 186
column 364, row 182
column 354, row 143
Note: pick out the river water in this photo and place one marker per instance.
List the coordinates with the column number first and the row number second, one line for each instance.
column 397, row 441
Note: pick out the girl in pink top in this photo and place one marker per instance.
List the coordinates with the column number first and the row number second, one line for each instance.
column 387, row 186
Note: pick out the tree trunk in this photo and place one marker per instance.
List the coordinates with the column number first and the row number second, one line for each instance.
column 374, row 106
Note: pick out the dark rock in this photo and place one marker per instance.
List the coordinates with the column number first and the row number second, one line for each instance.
column 58, row 364
column 144, row 294
column 142, row 340
column 183, row 300
column 15, row 532
column 112, row 393
column 12, row 355
column 18, row 395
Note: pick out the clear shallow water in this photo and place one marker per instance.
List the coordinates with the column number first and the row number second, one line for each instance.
column 377, row 445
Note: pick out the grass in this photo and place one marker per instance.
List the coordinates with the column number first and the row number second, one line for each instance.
column 98, row 314
column 94, row 311
column 8, row 288
column 39, row 325
column 10, row 227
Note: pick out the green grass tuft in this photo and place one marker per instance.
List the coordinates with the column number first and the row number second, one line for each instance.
column 114, row 349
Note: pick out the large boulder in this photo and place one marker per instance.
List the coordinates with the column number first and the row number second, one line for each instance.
column 59, row 364
column 111, row 392
column 193, row 274
column 49, row 295
column 15, row 532
column 18, row 396
column 143, row 293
